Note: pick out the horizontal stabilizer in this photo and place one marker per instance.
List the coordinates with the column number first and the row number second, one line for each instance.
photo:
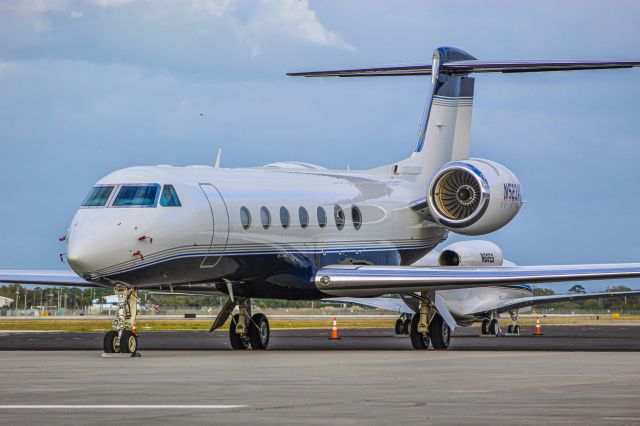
column 471, row 66
column 522, row 302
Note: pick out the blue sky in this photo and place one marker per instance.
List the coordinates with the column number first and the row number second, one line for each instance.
column 90, row 87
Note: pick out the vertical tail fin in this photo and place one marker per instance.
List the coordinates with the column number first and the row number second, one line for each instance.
column 446, row 123
column 445, row 130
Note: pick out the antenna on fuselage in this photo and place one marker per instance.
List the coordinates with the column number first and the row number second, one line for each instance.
column 218, row 159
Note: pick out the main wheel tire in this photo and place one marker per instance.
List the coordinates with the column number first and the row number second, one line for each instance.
column 485, row 326
column 440, row 333
column 259, row 332
column 516, row 329
column 128, row 342
column 510, row 329
column 238, row 341
column 111, row 343
column 418, row 340
column 494, row 327
column 407, row 326
column 399, row 329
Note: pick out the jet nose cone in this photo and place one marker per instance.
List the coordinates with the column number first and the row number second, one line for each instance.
column 80, row 250
column 92, row 243
column 75, row 249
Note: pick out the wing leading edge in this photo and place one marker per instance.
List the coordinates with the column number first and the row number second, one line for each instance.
column 376, row 280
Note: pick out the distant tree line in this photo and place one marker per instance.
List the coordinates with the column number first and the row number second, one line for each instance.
column 78, row 298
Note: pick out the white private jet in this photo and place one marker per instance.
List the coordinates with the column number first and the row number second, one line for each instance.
column 299, row 231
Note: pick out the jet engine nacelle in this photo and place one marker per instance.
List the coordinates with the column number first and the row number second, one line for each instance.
column 474, row 197
column 472, row 253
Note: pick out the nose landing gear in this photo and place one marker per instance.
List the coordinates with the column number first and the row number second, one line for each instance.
column 123, row 337
column 514, row 328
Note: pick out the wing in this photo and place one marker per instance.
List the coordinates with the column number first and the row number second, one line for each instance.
column 508, row 305
column 472, row 66
column 44, row 277
column 376, row 280
column 388, row 303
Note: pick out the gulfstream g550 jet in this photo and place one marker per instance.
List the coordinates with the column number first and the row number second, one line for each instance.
column 300, row 231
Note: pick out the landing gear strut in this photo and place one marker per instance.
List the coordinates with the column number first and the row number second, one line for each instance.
column 514, row 328
column 247, row 330
column 491, row 325
column 403, row 324
column 428, row 326
column 123, row 338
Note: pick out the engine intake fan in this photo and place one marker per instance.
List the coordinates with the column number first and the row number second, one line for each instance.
column 474, row 196
column 457, row 194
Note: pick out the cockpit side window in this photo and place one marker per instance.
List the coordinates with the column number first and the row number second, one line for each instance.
column 169, row 197
column 137, row 196
column 98, row 196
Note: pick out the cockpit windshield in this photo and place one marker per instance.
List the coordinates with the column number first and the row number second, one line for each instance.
column 98, row 196
column 169, row 198
column 137, row 195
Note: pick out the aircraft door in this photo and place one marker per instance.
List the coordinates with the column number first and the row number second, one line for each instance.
column 219, row 225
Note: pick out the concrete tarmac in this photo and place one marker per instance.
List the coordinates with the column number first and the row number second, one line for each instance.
column 614, row 338
column 370, row 376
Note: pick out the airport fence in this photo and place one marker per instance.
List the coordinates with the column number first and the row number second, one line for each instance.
column 199, row 311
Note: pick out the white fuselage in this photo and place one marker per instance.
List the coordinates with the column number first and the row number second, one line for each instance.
column 203, row 241
column 204, row 245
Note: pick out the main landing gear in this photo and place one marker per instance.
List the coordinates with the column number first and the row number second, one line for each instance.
column 403, row 324
column 491, row 326
column 245, row 329
column 429, row 327
column 123, row 337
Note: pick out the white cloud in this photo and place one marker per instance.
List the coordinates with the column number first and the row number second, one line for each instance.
column 254, row 23
column 212, row 7
column 290, row 18
column 111, row 3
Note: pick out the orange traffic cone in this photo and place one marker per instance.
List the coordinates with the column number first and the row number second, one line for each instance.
column 334, row 330
column 538, row 331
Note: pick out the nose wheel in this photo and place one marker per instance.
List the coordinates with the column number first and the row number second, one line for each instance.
column 111, row 342
column 123, row 338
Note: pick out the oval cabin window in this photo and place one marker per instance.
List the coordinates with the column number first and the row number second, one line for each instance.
column 322, row 217
column 304, row 217
column 265, row 216
column 245, row 217
column 356, row 216
column 285, row 218
column 339, row 217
